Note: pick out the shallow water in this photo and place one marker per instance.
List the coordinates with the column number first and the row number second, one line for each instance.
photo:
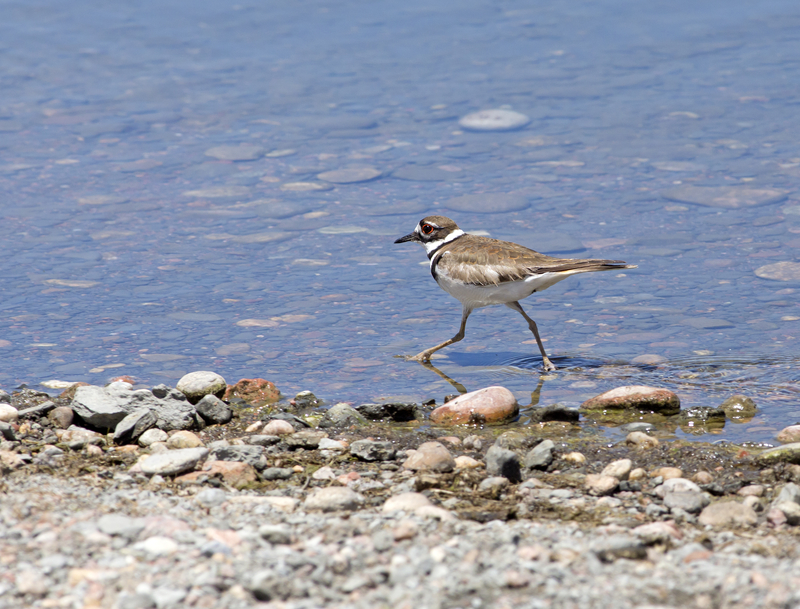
column 132, row 248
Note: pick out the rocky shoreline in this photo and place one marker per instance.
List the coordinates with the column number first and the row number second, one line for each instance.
column 210, row 495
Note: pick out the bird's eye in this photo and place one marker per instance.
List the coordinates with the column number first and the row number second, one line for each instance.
column 427, row 229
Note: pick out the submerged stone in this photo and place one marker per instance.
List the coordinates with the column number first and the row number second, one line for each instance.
column 635, row 397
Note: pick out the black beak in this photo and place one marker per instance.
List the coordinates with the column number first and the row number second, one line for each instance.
column 408, row 237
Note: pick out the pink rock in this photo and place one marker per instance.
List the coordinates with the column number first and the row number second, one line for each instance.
column 790, row 434
column 489, row 405
column 598, row 484
column 432, row 457
column 726, row 513
column 776, row 517
column 256, row 392
column 635, row 397
column 277, row 427
column 658, row 532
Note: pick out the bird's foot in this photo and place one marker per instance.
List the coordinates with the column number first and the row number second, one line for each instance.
column 548, row 365
column 420, row 357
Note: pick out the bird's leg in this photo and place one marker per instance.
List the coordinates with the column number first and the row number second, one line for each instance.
column 548, row 365
column 425, row 356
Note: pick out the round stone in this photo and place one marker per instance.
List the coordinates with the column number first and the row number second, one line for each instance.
column 8, row 414
column 739, row 407
column 406, row 502
column 151, row 436
column 494, row 120
column 620, row 468
column 277, row 427
column 432, row 457
column 173, row 462
column 728, row 513
column 334, row 498
column 184, row 439
column 488, row 203
column 242, row 152
column 350, row 175
column 640, row 440
column 196, row 385
column 789, row 434
column 488, row 405
column 780, row 271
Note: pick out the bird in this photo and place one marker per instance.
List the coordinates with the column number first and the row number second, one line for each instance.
column 480, row 272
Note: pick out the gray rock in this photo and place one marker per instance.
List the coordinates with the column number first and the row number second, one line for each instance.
column 254, row 455
column 306, row 399
column 789, row 492
column 261, row 440
column 34, row 412
column 267, row 585
column 790, row 510
column 120, row 525
column 341, row 415
column 394, row 411
column 130, row 429
column 371, row 450
column 214, row 410
column 277, row 534
column 174, row 462
column 102, row 407
column 640, row 426
column 7, row 432
column 540, row 456
column 494, row 483
column 689, row 501
column 138, row 600
column 211, row 497
column 502, row 462
column 197, row 385
column 305, row 439
column 276, row 473
column 172, row 408
column 788, row 453
column 620, row 546
column 5, row 397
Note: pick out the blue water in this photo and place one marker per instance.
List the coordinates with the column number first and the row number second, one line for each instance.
column 129, row 250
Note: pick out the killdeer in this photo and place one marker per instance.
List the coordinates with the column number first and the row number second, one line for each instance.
column 481, row 272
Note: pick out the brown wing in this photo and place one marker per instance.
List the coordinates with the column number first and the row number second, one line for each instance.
column 482, row 260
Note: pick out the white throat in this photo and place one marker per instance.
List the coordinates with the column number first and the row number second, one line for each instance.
column 432, row 245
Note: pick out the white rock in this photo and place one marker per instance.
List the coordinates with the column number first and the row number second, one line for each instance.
column 197, row 385
column 676, row 485
column 333, row 498
column 151, row 436
column 8, row 414
column 157, row 546
column 620, row 468
column 173, row 462
column 406, row 502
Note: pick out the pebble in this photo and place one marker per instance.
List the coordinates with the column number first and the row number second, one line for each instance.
column 540, row 456
column 196, row 385
column 214, row 410
column 789, row 492
column 575, row 458
column 635, row 397
column 61, row 416
column 667, row 473
column 173, row 462
column 727, row 513
column 703, row 477
column 8, row 414
column 211, row 497
column 350, row 175
column 277, row 534
column 598, row 484
column 405, row 529
column 466, row 462
column 393, row 411
column 689, row 501
column 157, row 546
column 489, row 405
column 371, row 450
column 751, row 490
column 504, row 463
column 331, row 445
column 621, row 469
column 494, row 120
column 256, row 392
column 236, row 474
column 277, row 427
column 333, row 498
column 494, row 484
column 152, row 435
column 780, row 271
column 184, row 439
column 620, row 546
column 240, row 152
column 789, row 435
column 640, row 440
column 406, row 502
column 637, row 474
column 432, row 457
column 739, row 407
column 791, row 511
column 658, row 532
column 725, row 197
column 341, row 415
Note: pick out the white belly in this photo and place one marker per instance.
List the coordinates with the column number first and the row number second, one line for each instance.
column 475, row 296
